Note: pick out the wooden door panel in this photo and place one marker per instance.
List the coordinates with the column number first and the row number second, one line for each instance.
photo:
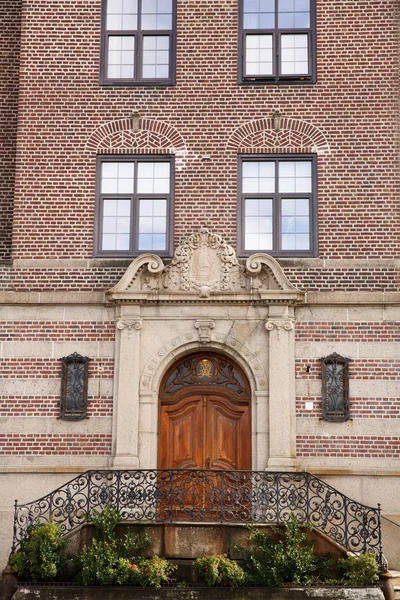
column 181, row 440
column 227, row 439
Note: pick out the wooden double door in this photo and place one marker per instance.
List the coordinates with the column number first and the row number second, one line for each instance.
column 205, row 415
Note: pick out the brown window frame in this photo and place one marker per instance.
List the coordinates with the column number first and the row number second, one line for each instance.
column 276, row 202
column 138, row 34
column 276, row 33
column 134, row 198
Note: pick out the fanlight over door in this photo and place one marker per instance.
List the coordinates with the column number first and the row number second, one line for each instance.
column 205, row 415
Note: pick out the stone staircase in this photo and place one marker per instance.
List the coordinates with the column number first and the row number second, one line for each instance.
column 395, row 578
column 396, row 583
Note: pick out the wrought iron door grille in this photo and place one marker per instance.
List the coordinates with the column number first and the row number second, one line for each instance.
column 208, row 496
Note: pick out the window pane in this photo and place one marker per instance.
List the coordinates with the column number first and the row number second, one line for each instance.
column 251, row 21
column 114, row 6
column 293, row 14
column 152, row 227
column 259, row 59
column 294, row 54
column 295, row 177
column 153, row 177
column 251, row 6
column 110, row 208
column 259, row 14
column 117, row 178
column 258, row 223
column 258, row 177
column 121, row 15
column 155, row 57
column 156, row 14
column 121, row 57
column 295, row 224
column 267, row 21
column 116, row 224
column 302, row 5
column 251, row 207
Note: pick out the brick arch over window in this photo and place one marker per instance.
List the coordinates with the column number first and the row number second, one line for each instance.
column 283, row 136
column 148, row 136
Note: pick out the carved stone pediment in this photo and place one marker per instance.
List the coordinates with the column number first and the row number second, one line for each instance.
column 205, row 266
column 202, row 263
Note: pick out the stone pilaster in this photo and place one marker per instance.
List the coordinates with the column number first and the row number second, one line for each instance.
column 282, row 397
column 126, row 392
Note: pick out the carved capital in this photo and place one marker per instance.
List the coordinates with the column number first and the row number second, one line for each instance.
column 279, row 325
column 204, row 328
column 129, row 324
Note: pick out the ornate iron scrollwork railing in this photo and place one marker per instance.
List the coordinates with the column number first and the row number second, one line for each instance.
column 209, row 496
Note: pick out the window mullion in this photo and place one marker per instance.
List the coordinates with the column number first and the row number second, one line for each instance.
column 133, row 244
column 135, row 209
column 277, row 213
column 276, row 46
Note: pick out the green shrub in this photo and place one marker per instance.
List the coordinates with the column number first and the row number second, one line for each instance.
column 290, row 560
column 132, row 544
column 95, row 564
column 359, row 570
column 112, row 561
column 153, row 572
column 41, row 556
column 218, row 569
column 105, row 522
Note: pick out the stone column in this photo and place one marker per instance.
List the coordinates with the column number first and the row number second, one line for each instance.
column 260, row 431
column 126, row 392
column 282, row 395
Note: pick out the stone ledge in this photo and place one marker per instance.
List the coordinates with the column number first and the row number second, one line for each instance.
column 311, row 298
column 61, row 297
column 108, row 593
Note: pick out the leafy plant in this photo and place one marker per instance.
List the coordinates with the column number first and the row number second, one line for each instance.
column 218, row 569
column 153, row 572
column 112, row 561
column 105, row 522
column 359, row 570
column 95, row 565
column 289, row 560
column 132, row 544
column 41, row 556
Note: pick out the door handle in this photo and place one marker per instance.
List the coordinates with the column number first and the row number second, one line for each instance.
column 207, row 462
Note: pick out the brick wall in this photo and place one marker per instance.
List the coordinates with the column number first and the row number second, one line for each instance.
column 354, row 105
column 374, row 387
column 30, row 382
column 10, row 18
column 50, row 444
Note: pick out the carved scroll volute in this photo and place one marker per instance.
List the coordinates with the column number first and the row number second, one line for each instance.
column 130, row 324
column 279, row 325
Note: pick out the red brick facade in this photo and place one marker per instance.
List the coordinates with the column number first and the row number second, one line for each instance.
column 65, row 118
column 10, row 29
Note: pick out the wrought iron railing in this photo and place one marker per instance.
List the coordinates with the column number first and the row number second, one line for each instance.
column 209, row 496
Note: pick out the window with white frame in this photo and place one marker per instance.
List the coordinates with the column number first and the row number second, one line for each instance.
column 277, row 205
column 134, row 212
